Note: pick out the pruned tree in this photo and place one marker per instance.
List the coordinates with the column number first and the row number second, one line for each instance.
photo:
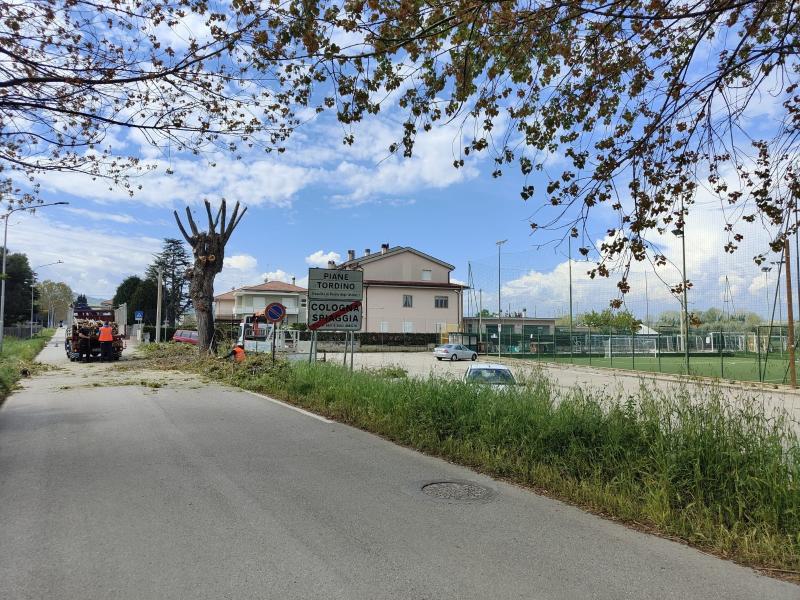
column 208, row 248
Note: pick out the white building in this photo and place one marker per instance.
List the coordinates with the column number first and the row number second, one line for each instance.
column 232, row 306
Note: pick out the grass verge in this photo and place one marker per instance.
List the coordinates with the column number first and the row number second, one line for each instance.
column 18, row 357
column 723, row 478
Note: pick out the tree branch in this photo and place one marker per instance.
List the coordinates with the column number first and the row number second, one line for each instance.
column 192, row 224
column 210, row 218
column 180, row 226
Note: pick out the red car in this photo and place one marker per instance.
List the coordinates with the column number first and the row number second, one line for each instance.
column 185, row 336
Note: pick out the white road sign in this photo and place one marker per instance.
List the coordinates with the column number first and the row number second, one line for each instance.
column 334, row 315
column 335, row 284
column 334, row 299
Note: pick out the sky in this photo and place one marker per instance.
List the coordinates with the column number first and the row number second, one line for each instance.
column 322, row 198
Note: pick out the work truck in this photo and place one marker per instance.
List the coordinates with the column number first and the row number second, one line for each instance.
column 83, row 330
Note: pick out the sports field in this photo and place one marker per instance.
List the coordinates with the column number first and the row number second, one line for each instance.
column 744, row 367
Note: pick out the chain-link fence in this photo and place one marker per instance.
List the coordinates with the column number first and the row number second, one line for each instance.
column 757, row 355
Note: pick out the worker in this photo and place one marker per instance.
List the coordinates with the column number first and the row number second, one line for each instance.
column 237, row 353
column 106, row 338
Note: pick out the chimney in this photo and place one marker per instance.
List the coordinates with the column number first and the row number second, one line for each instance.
column 384, row 248
column 366, row 252
column 351, row 255
column 292, row 280
column 331, row 264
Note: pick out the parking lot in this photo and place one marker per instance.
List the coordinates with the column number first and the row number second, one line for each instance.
column 611, row 381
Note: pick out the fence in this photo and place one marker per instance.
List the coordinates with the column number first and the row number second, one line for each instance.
column 21, row 331
column 757, row 355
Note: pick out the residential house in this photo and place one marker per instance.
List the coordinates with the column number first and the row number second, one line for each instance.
column 232, row 306
column 407, row 291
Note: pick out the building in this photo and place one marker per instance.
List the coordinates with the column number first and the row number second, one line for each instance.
column 525, row 326
column 232, row 306
column 407, row 291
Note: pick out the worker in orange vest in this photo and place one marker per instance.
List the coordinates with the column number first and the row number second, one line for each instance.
column 106, row 339
column 237, row 353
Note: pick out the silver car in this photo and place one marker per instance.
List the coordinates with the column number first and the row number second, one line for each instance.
column 490, row 374
column 454, row 352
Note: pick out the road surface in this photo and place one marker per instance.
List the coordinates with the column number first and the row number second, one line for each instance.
column 194, row 491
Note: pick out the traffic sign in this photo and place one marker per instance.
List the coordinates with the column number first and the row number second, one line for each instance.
column 330, row 315
column 139, row 315
column 334, row 299
column 335, row 284
column 275, row 312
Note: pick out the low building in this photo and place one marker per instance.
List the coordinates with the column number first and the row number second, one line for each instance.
column 407, row 291
column 486, row 327
column 232, row 306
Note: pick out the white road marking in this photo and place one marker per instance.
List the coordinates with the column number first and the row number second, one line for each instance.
column 291, row 406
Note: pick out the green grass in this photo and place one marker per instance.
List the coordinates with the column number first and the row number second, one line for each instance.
column 19, row 354
column 737, row 368
column 726, row 479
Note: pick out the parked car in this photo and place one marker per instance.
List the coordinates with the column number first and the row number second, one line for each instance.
column 185, row 336
column 490, row 374
column 454, row 352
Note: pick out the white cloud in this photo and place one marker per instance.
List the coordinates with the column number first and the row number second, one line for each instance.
column 320, row 258
column 101, row 215
column 277, row 275
column 241, row 262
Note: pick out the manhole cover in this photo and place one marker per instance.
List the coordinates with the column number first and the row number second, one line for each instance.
column 456, row 491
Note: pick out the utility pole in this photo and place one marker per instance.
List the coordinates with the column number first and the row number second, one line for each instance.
column 480, row 317
column 499, row 305
column 790, row 315
column 158, row 306
column 646, row 301
column 569, row 258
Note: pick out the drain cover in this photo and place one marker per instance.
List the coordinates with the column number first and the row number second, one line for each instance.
column 457, row 491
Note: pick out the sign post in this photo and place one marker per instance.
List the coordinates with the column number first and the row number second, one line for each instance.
column 334, row 304
column 274, row 312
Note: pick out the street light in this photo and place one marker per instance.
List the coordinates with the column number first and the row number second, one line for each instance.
column 499, row 305
column 5, row 254
column 680, row 233
column 58, row 262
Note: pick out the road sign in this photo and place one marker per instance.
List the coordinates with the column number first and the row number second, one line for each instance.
column 334, row 299
column 139, row 315
column 275, row 312
column 335, row 284
column 333, row 315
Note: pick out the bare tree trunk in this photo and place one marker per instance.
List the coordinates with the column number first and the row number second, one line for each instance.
column 208, row 248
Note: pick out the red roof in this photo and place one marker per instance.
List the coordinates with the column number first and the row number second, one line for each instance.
column 269, row 286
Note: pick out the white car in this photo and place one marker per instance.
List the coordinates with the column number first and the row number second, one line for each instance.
column 490, row 374
column 454, row 352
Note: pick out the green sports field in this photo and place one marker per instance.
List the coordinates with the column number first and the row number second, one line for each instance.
column 743, row 367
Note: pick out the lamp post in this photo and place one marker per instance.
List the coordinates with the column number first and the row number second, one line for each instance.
column 5, row 254
column 33, row 281
column 766, row 270
column 499, row 306
column 679, row 232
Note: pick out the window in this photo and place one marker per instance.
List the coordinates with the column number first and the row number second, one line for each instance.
column 426, row 274
column 384, row 326
column 303, row 301
column 441, row 301
column 407, row 301
column 408, row 327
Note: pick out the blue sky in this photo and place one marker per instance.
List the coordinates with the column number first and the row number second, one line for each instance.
column 321, row 198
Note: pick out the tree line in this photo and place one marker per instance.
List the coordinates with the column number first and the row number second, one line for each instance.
column 140, row 292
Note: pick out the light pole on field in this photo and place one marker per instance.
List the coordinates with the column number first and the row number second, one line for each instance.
column 680, row 232
column 499, row 305
column 33, row 281
column 5, row 254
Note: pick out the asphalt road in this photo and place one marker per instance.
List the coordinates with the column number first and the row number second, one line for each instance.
column 198, row 491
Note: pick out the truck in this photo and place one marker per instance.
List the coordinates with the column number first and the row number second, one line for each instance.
column 83, row 329
column 256, row 334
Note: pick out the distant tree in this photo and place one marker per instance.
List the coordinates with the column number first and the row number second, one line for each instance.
column 145, row 298
column 55, row 298
column 620, row 320
column 81, row 300
column 174, row 261
column 19, row 278
column 486, row 313
column 124, row 294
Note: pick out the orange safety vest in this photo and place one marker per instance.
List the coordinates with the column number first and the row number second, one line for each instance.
column 238, row 354
column 106, row 334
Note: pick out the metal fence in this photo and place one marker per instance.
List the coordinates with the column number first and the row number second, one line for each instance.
column 21, row 331
column 757, row 355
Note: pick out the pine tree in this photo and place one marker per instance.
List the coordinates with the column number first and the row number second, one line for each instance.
column 174, row 260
